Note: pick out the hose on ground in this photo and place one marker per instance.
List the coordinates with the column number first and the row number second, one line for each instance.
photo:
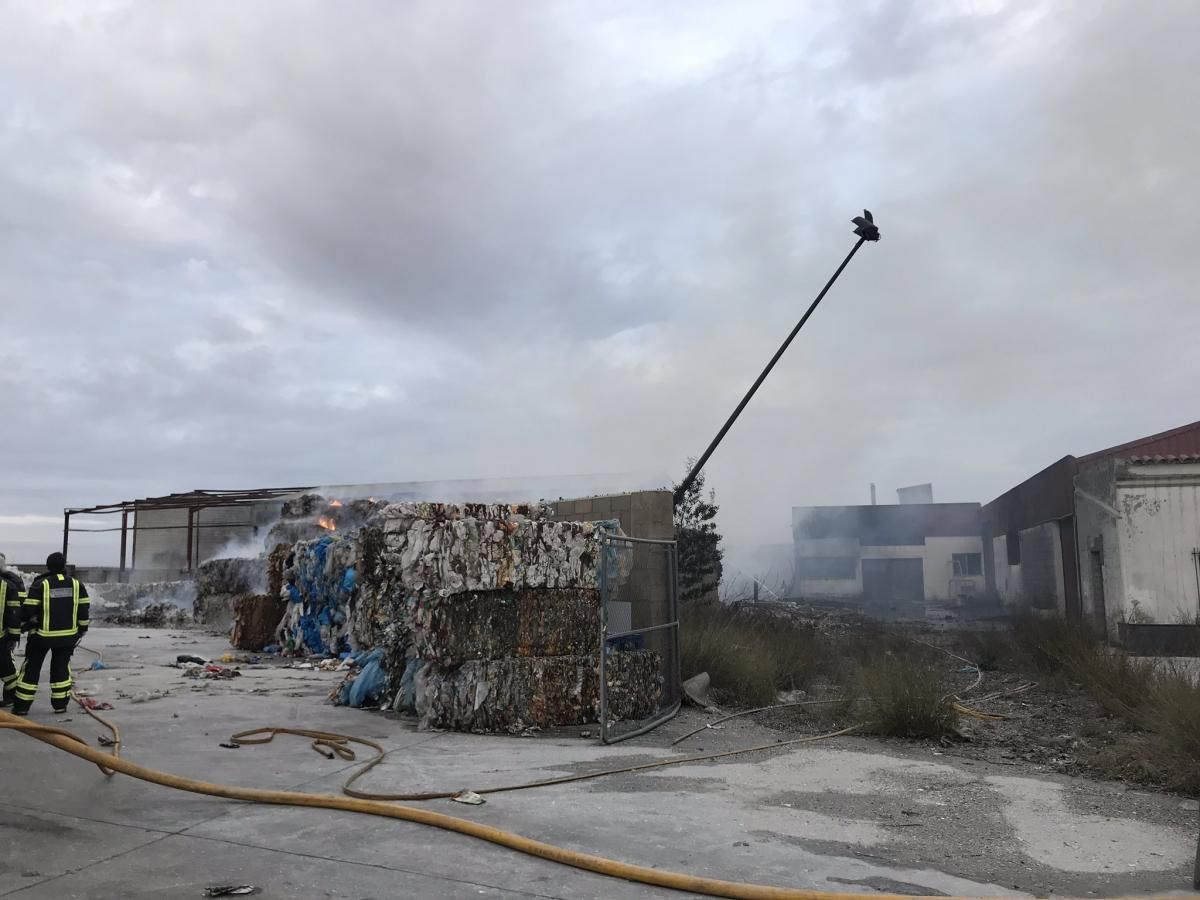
column 713, row 887
column 750, row 712
column 330, row 744
column 114, row 741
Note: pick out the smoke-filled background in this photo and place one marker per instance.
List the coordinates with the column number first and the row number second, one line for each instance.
column 266, row 244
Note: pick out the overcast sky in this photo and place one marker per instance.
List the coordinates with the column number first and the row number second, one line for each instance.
column 254, row 244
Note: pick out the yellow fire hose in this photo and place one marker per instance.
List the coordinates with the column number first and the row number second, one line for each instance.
column 330, row 744
column 713, row 887
column 76, row 746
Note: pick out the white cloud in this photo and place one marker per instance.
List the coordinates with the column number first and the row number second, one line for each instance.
column 439, row 241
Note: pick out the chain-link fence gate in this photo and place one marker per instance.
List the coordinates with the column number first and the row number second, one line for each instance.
column 639, row 636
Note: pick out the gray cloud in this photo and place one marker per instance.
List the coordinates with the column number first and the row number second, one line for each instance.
column 263, row 244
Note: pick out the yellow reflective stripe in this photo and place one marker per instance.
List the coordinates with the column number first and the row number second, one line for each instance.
column 75, row 602
column 22, row 684
column 67, row 632
column 9, row 680
column 60, row 685
column 59, row 695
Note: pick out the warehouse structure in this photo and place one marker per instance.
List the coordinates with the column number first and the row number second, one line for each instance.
column 162, row 537
column 1110, row 539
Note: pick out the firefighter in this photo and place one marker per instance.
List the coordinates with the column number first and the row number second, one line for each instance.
column 12, row 593
column 55, row 612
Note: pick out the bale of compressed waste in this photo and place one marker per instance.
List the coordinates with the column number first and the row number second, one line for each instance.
column 521, row 693
column 319, row 588
column 220, row 582
column 256, row 618
column 450, row 548
column 231, row 576
column 129, row 602
column 498, row 624
column 278, row 561
column 152, row 615
column 413, row 554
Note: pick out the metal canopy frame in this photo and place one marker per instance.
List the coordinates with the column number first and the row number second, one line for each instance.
column 192, row 501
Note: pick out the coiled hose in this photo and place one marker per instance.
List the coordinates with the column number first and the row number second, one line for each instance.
column 76, row 746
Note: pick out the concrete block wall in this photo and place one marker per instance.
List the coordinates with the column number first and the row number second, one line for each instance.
column 643, row 514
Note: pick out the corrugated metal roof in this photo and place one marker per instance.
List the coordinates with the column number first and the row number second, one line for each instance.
column 1181, row 441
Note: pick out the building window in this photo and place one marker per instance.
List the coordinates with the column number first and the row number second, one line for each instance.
column 968, row 564
column 1013, row 539
column 827, row 568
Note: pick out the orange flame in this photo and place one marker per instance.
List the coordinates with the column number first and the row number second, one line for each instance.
column 335, row 503
column 327, row 523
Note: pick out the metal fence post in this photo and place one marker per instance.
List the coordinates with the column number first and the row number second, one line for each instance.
column 604, row 547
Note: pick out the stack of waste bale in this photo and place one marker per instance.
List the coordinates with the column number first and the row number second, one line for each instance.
column 220, row 583
column 256, row 617
column 319, row 586
column 152, row 604
column 489, row 616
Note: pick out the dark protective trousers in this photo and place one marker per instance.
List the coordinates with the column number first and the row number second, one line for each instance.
column 8, row 669
column 59, row 650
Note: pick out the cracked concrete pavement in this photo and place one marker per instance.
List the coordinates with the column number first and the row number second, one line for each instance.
column 851, row 814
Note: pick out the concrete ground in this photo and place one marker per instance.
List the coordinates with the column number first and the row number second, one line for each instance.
column 849, row 814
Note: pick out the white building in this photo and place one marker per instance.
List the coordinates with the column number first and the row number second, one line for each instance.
column 1110, row 539
column 894, row 559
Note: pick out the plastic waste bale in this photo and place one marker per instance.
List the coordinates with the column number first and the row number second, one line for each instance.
column 256, row 618
column 220, row 582
column 319, row 591
column 498, row 624
column 518, row 694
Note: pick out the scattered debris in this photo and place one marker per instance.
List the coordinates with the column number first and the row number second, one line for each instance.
column 211, row 671
column 230, row 890
column 189, row 658
column 468, row 797
column 106, row 741
column 92, row 704
column 695, row 690
column 231, row 746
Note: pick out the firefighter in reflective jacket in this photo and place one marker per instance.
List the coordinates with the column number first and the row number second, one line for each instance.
column 55, row 612
column 12, row 592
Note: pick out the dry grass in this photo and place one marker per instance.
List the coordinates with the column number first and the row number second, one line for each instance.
column 907, row 698
column 749, row 661
column 1152, row 695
